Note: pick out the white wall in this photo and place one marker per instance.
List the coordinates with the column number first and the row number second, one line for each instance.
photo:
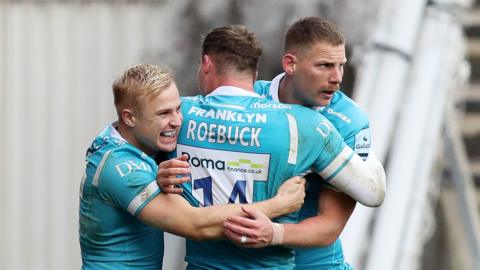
column 57, row 63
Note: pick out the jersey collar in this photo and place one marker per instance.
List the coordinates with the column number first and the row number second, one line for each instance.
column 114, row 132
column 275, row 86
column 232, row 91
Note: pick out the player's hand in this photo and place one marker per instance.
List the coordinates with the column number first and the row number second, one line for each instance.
column 173, row 172
column 291, row 194
column 256, row 229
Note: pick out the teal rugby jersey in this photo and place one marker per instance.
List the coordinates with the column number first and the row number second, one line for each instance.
column 353, row 124
column 119, row 181
column 241, row 149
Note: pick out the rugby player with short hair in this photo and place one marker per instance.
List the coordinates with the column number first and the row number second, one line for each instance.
column 122, row 208
column 241, row 146
column 313, row 61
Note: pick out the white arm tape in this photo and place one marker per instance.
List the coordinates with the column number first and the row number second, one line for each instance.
column 278, row 232
column 364, row 181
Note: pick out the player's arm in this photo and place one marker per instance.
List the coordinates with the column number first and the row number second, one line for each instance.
column 334, row 210
column 174, row 214
column 365, row 182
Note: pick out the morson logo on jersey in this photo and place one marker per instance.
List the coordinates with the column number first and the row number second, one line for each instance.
column 220, row 177
column 270, row 106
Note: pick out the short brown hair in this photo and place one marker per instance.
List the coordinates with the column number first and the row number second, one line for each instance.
column 139, row 83
column 309, row 30
column 233, row 46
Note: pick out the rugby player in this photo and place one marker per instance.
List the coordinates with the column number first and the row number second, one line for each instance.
column 313, row 60
column 240, row 146
column 121, row 206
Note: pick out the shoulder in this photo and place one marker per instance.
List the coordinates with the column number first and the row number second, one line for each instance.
column 308, row 119
column 344, row 112
column 127, row 164
column 127, row 156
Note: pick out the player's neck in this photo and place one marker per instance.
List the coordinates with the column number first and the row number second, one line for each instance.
column 237, row 80
column 285, row 91
column 127, row 134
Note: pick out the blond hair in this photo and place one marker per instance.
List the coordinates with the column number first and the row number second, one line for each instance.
column 139, row 83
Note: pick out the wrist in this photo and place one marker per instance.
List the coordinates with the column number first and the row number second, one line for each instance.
column 277, row 207
column 278, row 232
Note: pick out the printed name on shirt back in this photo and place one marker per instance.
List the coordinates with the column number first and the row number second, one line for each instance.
column 217, row 133
column 229, row 115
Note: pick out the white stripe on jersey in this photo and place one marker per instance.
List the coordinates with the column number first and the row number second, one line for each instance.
column 333, row 168
column 100, row 168
column 230, row 106
column 142, row 197
column 292, row 153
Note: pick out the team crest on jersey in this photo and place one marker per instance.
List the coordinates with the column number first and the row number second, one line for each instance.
column 221, row 177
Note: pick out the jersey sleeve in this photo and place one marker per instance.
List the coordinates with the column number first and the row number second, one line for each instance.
column 128, row 182
column 330, row 148
column 319, row 141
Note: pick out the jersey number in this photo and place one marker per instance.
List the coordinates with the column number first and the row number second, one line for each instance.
column 205, row 184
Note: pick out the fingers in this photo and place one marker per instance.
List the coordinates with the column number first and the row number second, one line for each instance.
column 172, row 180
column 246, row 232
column 172, row 190
column 241, row 225
column 240, row 240
column 169, row 171
column 175, row 162
column 183, row 157
column 252, row 213
column 243, row 240
column 303, row 181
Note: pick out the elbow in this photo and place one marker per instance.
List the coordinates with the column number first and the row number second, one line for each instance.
column 375, row 199
column 377, row 192
column 326, row 238
column 329, row 239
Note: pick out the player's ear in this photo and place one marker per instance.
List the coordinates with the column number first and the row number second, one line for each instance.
column 128, row 117
column 207, row 63
column 288, row 62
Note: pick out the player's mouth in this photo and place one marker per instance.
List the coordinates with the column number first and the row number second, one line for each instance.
column 328, row 93
column 168, row 134
column 168, row 139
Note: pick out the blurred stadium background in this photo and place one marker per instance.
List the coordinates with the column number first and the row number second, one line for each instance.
column 414, row 66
